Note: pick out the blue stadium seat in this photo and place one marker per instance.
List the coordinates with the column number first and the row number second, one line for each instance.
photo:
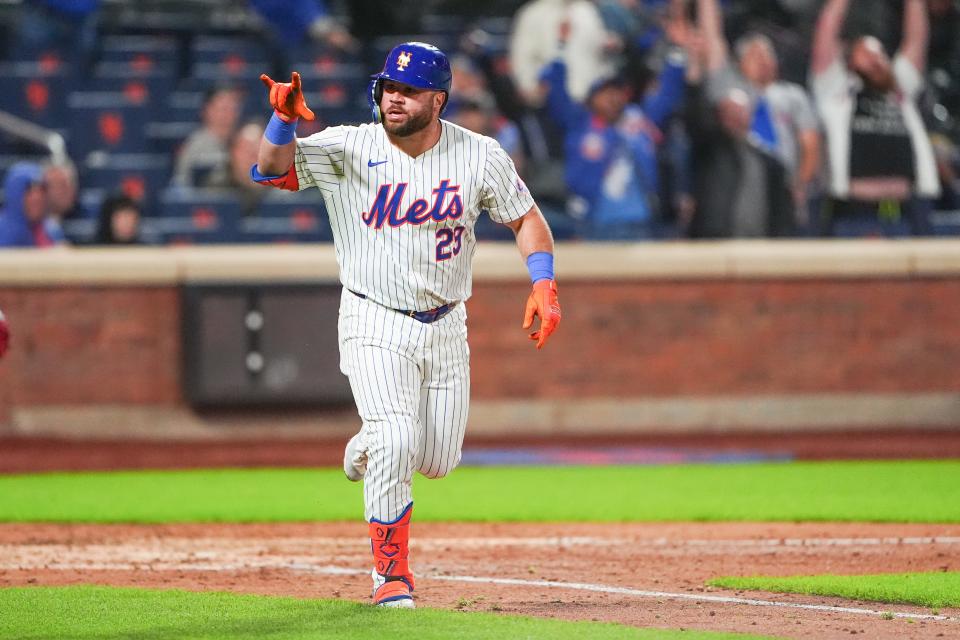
column 945, row 223
column 81, row 230
column 106, row 121
column 230, row 52
column 197, row 216
column 166, row 137
column 442, row 24
column 183, row 106
column 36, row 93
column 140, row 52
column 139, row 175
column 287, row 217
column 335, row 87
column 142, row 86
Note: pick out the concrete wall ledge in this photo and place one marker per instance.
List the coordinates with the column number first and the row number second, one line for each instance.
column 741, row 259
column 806, row 413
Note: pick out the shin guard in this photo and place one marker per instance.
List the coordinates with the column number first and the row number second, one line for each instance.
column 390, row 544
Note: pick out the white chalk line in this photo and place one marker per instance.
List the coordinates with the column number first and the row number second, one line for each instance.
column 195, row 562
column 577, row 586
column 664, row 595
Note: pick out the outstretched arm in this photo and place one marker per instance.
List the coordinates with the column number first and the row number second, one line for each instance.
column 916, row 33
column 279, row 143
column 274, row 159
column 536, row 246
column 710, row 26
column 563, row 110
column 826, row 38
column 668, row 97
column 533, row 233
column 661, row 105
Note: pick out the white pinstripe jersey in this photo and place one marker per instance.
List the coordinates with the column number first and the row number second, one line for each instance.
column 403, row 227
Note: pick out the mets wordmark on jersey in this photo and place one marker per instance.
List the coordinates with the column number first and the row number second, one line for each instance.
column 403, row 226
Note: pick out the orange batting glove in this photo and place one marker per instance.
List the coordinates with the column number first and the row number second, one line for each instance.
column 287, row 98
column 542, row 302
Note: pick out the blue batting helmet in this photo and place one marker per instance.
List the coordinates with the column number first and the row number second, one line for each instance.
column 416, row 64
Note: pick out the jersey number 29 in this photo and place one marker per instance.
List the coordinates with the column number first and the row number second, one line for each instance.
column 445, row 238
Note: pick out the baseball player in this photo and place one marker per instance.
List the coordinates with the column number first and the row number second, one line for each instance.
column 403, row 195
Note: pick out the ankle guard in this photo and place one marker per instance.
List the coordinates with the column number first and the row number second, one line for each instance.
column 390, row 544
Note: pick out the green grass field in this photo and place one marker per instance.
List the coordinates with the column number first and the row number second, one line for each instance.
column 109, row 613
column 935, row 590
column 915, row 491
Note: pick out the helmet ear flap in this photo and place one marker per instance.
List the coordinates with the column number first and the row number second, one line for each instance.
column 374, row 94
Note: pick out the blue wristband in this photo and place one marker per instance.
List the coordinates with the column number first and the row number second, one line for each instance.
column 540, row 266
column 279, row 132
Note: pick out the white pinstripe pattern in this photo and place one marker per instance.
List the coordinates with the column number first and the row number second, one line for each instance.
column 397, row 266
column 410, row 380
column 411, row 383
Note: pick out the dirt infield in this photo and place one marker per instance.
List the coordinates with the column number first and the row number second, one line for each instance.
column 649, row 575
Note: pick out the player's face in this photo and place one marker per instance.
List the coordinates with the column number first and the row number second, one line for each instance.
column 407, row 110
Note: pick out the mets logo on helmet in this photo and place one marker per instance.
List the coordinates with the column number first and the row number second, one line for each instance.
column 403, row 60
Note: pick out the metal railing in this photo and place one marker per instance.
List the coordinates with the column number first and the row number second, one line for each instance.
column 25, row 130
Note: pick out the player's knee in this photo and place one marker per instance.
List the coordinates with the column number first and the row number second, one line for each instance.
column 385, row 452
column 440, row 469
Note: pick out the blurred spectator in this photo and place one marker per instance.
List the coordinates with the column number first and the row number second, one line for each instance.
column 484, row 65
column 739, row 187
column 25, row 208
column 782, row 119
column 235, row 173
column 590, row 51
column 62, row 197
column 478, row 112
column 540, row 27
column 372, row 19
column 294, row 21
column 535, row 40
column 119, row 222
column 880, row 156
column 62, row 190
column 206, row 147
column 611, row 147
column 68, row 26
column 948, row 168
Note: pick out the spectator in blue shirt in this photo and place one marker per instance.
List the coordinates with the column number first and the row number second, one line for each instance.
column 67, row 26
column 611, row 149
column 294, row 21
column 25, row 208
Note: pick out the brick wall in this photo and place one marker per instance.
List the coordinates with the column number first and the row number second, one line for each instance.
column 121, row 345
column 722, row 337
column 91, row 345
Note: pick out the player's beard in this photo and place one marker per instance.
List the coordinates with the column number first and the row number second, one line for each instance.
column 415, row 123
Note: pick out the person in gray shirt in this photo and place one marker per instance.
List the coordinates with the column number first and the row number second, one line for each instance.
column 783, row 118
column 207, row 147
